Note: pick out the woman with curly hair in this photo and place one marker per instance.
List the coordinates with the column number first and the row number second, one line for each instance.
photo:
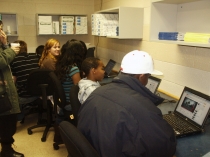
column 50, row 54
column 68, row 65
column 68, row 71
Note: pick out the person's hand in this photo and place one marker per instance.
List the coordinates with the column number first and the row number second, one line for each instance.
column 16, row 49
column 3, row 37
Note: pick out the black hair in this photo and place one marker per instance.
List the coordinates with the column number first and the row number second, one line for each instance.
column 72, row 54
column 23, row 46
column 39, row 50
column 88, row 64
column 84, row 46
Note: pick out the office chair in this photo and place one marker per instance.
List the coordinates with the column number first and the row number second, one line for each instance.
column 59, row 98
column 76, row 143
column 29, row 108
column 39, row 83
column 75, row 104
column 90, row 52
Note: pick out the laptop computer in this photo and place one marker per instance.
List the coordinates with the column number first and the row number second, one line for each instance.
column 153, row 84
column 108, row 69
column 190, row 114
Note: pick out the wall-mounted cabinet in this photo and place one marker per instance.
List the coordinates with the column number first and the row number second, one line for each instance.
column 61, row 24
column 180, row 16
column 10, row 23
column 130, row 23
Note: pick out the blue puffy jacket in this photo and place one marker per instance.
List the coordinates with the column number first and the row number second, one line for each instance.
column 121, row 120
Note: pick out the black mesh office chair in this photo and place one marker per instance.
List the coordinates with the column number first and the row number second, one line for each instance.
column 59, row 98
column 76, row 144
column 40, row 83
column 75, row 104
column 29, row 108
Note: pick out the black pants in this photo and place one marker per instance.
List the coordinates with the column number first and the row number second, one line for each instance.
column 8, row 125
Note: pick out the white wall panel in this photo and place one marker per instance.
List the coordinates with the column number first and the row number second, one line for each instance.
column 176, row 77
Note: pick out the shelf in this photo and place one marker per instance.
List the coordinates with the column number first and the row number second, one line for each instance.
column 10, row 21
column 174, row 1
column 186, row 17
column 130, row 22
column 112, row 10
column 55, row 24
column 183, row 43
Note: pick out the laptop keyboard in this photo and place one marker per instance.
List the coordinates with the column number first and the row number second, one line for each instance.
column 180, row 127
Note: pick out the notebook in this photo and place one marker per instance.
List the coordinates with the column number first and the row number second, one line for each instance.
column 108, row 68
column 153, row 84
column 190, row 114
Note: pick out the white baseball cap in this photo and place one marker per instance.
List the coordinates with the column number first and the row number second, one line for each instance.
column 138, row 62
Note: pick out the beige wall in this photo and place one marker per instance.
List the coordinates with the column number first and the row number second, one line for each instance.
column 26, row 11
column 181, row 65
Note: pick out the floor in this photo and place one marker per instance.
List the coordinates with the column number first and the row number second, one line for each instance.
column 31, row 145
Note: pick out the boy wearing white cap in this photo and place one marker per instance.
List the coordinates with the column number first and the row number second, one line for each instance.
column 121, row 119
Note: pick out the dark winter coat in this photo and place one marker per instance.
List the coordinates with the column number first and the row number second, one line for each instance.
column 121, row 120
column 6, row 57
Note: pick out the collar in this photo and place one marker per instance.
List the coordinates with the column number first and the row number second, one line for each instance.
column 135, row 84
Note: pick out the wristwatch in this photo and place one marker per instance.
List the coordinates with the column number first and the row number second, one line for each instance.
column 7, row 45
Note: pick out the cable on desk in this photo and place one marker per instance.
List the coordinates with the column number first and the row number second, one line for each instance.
column 169, row 101
column 166, row 100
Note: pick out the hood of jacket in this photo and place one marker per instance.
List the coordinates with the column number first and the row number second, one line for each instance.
column 86, row 87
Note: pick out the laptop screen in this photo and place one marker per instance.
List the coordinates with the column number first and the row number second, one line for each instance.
column 193, row 105
column 110, row 65
column 153, row 84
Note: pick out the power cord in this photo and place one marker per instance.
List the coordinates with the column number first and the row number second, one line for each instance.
column 169, row 101
column 166, row 100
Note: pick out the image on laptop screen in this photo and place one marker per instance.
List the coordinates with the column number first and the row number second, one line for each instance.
column 153, row 84
column 108, row 68
column 194, row 106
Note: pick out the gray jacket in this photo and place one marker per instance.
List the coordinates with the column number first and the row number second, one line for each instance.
column 6, row 57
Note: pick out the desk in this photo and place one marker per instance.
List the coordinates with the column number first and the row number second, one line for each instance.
column 190, row 146
column 106, row 81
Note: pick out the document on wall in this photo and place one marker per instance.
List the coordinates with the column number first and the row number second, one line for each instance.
column 45, row 25
column 81, row 25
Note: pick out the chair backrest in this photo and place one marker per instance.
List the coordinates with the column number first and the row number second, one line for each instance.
column 75, row 104
column 59, row 96
column 53, row 85
column 76, row 144
column 39, row 77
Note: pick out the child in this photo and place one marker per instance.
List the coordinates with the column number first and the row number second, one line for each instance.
column 93, row 69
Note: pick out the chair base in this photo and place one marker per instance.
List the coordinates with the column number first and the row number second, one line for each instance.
column 44, row 136
column 48, row 123
column 56, row 145
column 57, row 137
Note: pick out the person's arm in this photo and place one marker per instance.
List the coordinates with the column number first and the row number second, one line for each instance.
column 3, row 38
column 76, row 78
column 6, row 57
column 6, row 54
